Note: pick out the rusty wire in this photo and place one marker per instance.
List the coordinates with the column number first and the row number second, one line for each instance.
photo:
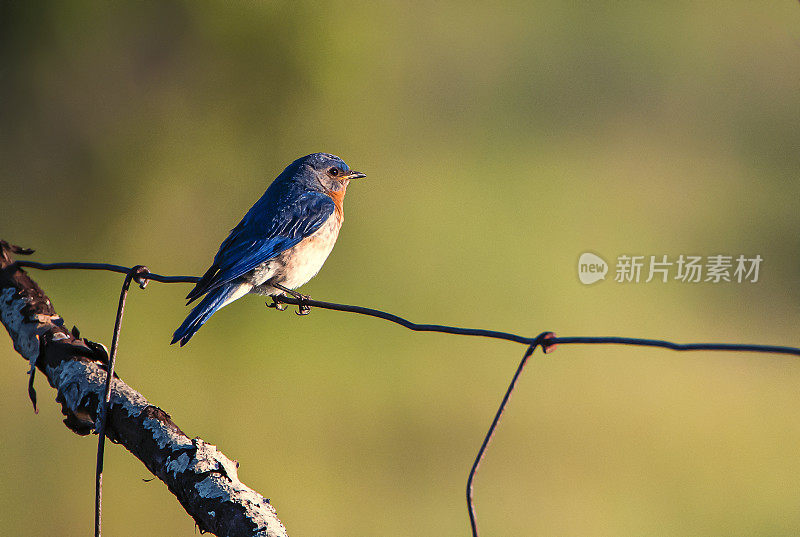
column 546, row 340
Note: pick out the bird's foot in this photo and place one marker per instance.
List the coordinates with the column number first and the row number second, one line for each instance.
column 302, row 307
column 280, row 306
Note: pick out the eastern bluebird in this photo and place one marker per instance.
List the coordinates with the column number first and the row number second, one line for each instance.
column 281, row 242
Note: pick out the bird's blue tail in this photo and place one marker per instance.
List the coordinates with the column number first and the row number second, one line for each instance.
column 201, row 313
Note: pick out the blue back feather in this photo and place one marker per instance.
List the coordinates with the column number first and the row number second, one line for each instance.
column 286, row 214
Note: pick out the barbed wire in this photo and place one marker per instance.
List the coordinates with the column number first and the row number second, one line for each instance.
column 546, row 340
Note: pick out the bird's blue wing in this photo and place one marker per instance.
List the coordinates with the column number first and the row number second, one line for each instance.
column 277, row 221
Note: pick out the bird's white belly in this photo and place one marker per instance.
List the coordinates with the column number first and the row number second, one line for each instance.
column 295, row 266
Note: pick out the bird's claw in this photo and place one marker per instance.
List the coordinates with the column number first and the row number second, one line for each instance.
column 302, row 307
column 280, row 306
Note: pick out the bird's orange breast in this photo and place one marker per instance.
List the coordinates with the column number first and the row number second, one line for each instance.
column 338, row 199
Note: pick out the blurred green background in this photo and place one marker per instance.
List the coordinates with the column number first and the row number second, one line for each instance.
column 501, row 141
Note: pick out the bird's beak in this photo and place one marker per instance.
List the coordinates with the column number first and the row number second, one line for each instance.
column 355, row 175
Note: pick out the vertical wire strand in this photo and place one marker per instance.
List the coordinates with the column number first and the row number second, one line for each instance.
column 103, row 417
column 488, row 438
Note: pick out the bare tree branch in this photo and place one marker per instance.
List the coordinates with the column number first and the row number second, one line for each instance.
column 203, row 479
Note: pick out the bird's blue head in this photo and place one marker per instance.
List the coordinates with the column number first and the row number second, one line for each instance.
column 322, row 172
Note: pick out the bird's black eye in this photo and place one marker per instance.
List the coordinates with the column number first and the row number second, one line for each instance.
column 333, row 172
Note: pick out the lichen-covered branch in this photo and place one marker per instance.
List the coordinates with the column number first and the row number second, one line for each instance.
column 203, row 479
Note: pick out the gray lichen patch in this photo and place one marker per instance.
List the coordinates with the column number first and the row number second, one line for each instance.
column 213, row 487
column 208, row 458
column 166, row 436
column 179, row 465
column 222, row 483
column 258, row 510
column 81, row 386
column 24, row 331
